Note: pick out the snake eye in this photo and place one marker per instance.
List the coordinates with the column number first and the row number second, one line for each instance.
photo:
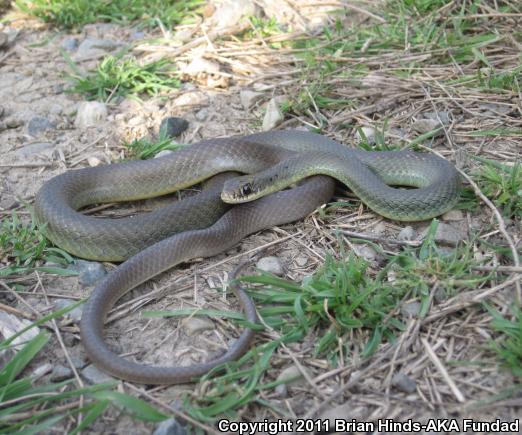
column 246, row 189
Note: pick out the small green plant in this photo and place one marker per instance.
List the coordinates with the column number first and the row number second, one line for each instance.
column 503, row 184
column 69, row 14
column 31, row 409
column 144, row 148
column 509, row 347
column 117, row 77
column 264, row 28
column 23, row 247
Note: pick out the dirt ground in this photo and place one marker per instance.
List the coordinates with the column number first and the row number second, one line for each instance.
column 39, row 139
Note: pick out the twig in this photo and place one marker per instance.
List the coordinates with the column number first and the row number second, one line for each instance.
column 442, row 370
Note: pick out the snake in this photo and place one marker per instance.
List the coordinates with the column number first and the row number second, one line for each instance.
column 227, row 210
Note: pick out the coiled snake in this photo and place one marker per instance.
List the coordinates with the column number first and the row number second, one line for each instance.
column 203, row 225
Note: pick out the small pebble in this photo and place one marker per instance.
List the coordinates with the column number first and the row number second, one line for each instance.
column 249, row 98
column 367, row 134
column 169, row 427
column 172, row 127
column 38, row 125
column 411, row 309
column 202, row 115
column 197, row 324
column 273, row 116
column 281, row 391
column 90, row 272
column 95, row 376
column 90, row 113
column 292, row 375
column 443, row 116
column 93, row 161
column 301, row 261
column 39, row 148
column 426, row 125
column 446, row 234
column 407, row 233
column 69, row 339
column 75, row 313
column 404, row 383
column 366, row 252
column 61, row 373
column 271, row 265
column 70, row 44
column 453, row 215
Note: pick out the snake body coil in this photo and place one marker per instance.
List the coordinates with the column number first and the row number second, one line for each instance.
column 276, row 159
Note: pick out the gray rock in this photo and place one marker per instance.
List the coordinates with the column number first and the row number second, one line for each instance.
column 38, row 125
column 90, row 113
column 95, row 376
column 163, row 153
column 270, row 265
column 90, row 272
column 404, row 383
column 75, row 313
column 93, row 47
column 443, row 116
column 366, row 252
column 301, row 261
column 202, row 115
column 249, row 98
column 137, row 35
column 78, row 362
column 447, row 234
column 69, row 339
column 425, row 125
column 453, row 215
column 281, row 390
column 411, row 309
column 198, row 324
column 55, row 109
column 172, row 126
column 292, row 376
column 61, row 373
column 69, row 44
column 273, row 116
column 43, row 148
column 169, row 427
column 366, row 133
column 13, row 122
column 407, row 233
column 495, row 108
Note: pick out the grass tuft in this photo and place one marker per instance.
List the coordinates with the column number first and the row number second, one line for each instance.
column 117, row 77
column 23, row 248
column 72, row 14
column 145, row 148
column 509, row 348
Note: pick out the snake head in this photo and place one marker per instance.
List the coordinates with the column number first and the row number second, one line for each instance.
column 240, row 189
